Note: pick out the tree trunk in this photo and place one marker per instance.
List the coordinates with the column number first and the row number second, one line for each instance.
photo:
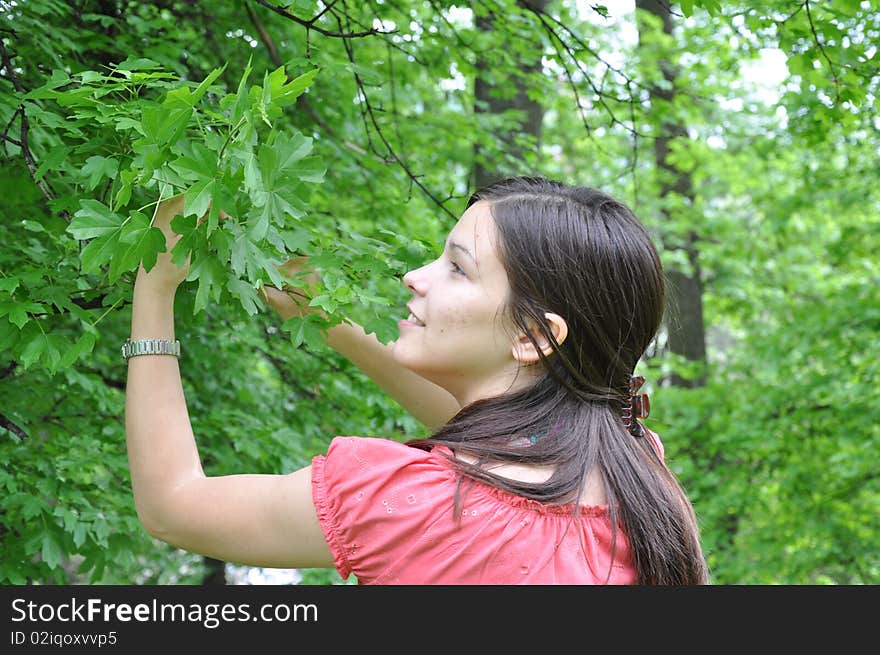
column 686, row 332
column 215, row 572
column 488, row 102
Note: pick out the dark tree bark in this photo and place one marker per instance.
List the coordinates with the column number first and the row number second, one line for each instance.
column 489, row 102
column 216, row 572
column 687, row 336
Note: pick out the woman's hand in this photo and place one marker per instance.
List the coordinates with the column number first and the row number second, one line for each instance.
column 166, row 275
column 293, row 301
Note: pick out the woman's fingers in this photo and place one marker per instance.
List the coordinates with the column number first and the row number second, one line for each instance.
column 283, row 302
column 298, row 268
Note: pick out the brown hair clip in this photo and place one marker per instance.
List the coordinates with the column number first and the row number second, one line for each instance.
column 638, row 406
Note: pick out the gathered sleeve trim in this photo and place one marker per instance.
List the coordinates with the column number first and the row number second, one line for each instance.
column 327, row 517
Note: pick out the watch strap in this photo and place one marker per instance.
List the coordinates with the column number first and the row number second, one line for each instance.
column 133, row 348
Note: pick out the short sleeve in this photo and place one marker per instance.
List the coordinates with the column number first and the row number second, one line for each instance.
column 372, row 497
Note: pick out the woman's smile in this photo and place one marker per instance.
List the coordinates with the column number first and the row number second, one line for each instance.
column 412, row 320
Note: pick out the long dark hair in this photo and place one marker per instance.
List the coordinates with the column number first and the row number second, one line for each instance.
column 580, row 253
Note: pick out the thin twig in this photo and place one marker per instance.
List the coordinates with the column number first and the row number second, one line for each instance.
column 582, row 44
column 391, row 43
column 311, row 24
column 369, row 112
column 822, row 51
column 324, row 10
column 455, row 33
column 554, row 37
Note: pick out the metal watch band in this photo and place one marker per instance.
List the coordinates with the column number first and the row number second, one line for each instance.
column 150, row 347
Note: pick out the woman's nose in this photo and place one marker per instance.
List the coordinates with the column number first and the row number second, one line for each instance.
column 415, row 281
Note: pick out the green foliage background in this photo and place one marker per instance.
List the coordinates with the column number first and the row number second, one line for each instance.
column 348, row 134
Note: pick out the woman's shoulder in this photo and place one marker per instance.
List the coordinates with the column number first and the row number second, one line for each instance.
column 378, row 458
column 373, row 450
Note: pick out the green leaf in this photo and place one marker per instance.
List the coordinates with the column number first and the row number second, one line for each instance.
column 80, row 531
column 97, row 168
column 58, row 78
column 306, row 330
column 52, row 356
column 253, row 181
column 141, row 63
column 31, row 506
column 94, row 219
column 309, row 169
column 87, row 77
column 162, row 125
column 51, row 551
column 33, row 226
column 9, row 284
column 34, row 349
column 123, row 195
column 19, row 312
column 96, row 561
column 246, row 294
column 325, row 302
column 210, row 274
column 83, row 346
column 241, row 97
column 9, row 336
column 201, row 163
column 290, row 149
column 186, row 227
column 202, row 89
column 296, row 240
column 198, row 198
column 283, row 94
column 143, row 242
column 100, row 251
column 258, row 221
column 51, row 161
column 101, row 531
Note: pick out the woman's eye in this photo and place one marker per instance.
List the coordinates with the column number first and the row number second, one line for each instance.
column 457, row 269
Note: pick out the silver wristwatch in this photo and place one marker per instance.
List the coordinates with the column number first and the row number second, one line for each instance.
column 150, row 347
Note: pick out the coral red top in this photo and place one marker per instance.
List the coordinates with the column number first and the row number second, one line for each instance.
column 387, row 512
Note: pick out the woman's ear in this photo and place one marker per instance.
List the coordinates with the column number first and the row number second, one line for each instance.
column 524, row 350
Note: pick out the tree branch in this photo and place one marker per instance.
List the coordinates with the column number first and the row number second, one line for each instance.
column 287, row 378
column 7, row 424
column 600, row 95
column 368, row 111
column 396, row 46
column 22, row 143
column 264, row 36
column 8, row 370
column 311, row 24
column 823, row 53
column 302, row 102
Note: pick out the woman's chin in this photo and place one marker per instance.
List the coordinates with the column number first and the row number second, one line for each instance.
column 400, row 355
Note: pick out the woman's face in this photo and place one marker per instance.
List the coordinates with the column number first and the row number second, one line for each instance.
column 455, row 335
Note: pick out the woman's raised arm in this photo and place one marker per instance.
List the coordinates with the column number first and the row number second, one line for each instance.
column 261, row 520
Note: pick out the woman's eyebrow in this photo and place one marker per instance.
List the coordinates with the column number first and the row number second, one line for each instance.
column 454, row 245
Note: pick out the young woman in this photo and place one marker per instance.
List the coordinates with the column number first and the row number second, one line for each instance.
column 518, row 350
